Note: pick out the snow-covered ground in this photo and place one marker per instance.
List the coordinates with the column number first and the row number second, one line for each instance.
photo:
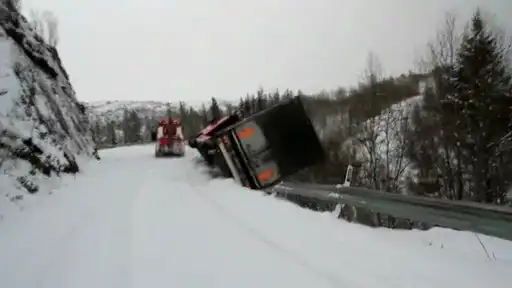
column 131, row 220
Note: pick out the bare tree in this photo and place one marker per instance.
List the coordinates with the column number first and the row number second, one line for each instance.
column 36, row 22
column 369, row 154
column 16, row 4
column 51, row 23
column 394, row 126
column 446, row 162
column 368, row 127
column 383, row 145
column 45, row 24
column 12, row 4
column 443, row 49
column 381, row 139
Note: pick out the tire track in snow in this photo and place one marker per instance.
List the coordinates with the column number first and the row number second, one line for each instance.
column 292, row 256
column 181, row 240
column 351, row 265
column 48, row 233
column 99, row 243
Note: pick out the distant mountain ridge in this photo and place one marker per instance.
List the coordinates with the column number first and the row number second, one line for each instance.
column 106, row 111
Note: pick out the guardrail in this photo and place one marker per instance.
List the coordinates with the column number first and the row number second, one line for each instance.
column 481, row 218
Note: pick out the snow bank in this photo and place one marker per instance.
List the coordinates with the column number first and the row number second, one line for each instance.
column 435, row 258
column 44, row 130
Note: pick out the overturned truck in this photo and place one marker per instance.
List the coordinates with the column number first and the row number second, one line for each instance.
column 262, row 149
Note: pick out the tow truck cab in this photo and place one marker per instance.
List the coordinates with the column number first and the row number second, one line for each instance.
column 169, row 138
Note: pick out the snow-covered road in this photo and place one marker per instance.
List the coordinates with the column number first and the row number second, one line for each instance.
column 136, row 221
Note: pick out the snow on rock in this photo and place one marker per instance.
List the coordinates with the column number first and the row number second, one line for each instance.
column 44, row 130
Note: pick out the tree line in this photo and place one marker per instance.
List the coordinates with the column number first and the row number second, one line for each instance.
column 459, row 141
column 454, row 142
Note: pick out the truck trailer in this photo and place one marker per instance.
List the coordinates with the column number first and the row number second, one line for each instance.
column 262, row 149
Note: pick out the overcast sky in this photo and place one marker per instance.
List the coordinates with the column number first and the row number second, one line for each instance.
column 194, row 49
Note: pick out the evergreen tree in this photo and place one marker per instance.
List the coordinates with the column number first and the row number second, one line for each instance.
column 111, row 133
column 195, row 121
column 481, row 86
column 97, row 133
column 276, row 97
column 131, row 126
column 229, row 109
column 254, row 104
column 125, row 126
column 204, row 115
column 215, row 111
column 241, row 104
column 247, row 108
column 288, row 94
column 242, row 107
column 183, row 111
column 148, row 129
column 135, row 127
column 260, row 100
column 168, row 111
column 184, row 118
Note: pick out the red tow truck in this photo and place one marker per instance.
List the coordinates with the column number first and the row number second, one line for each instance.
column 169, row 138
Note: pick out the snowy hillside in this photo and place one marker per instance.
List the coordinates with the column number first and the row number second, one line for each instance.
column 43, row 128
column 106, row 111
column 377, row 145
column 121, row 122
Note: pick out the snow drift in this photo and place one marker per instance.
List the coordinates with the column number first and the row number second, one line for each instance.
column 43, row 128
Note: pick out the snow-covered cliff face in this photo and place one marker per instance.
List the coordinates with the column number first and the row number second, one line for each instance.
column 44, row 130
